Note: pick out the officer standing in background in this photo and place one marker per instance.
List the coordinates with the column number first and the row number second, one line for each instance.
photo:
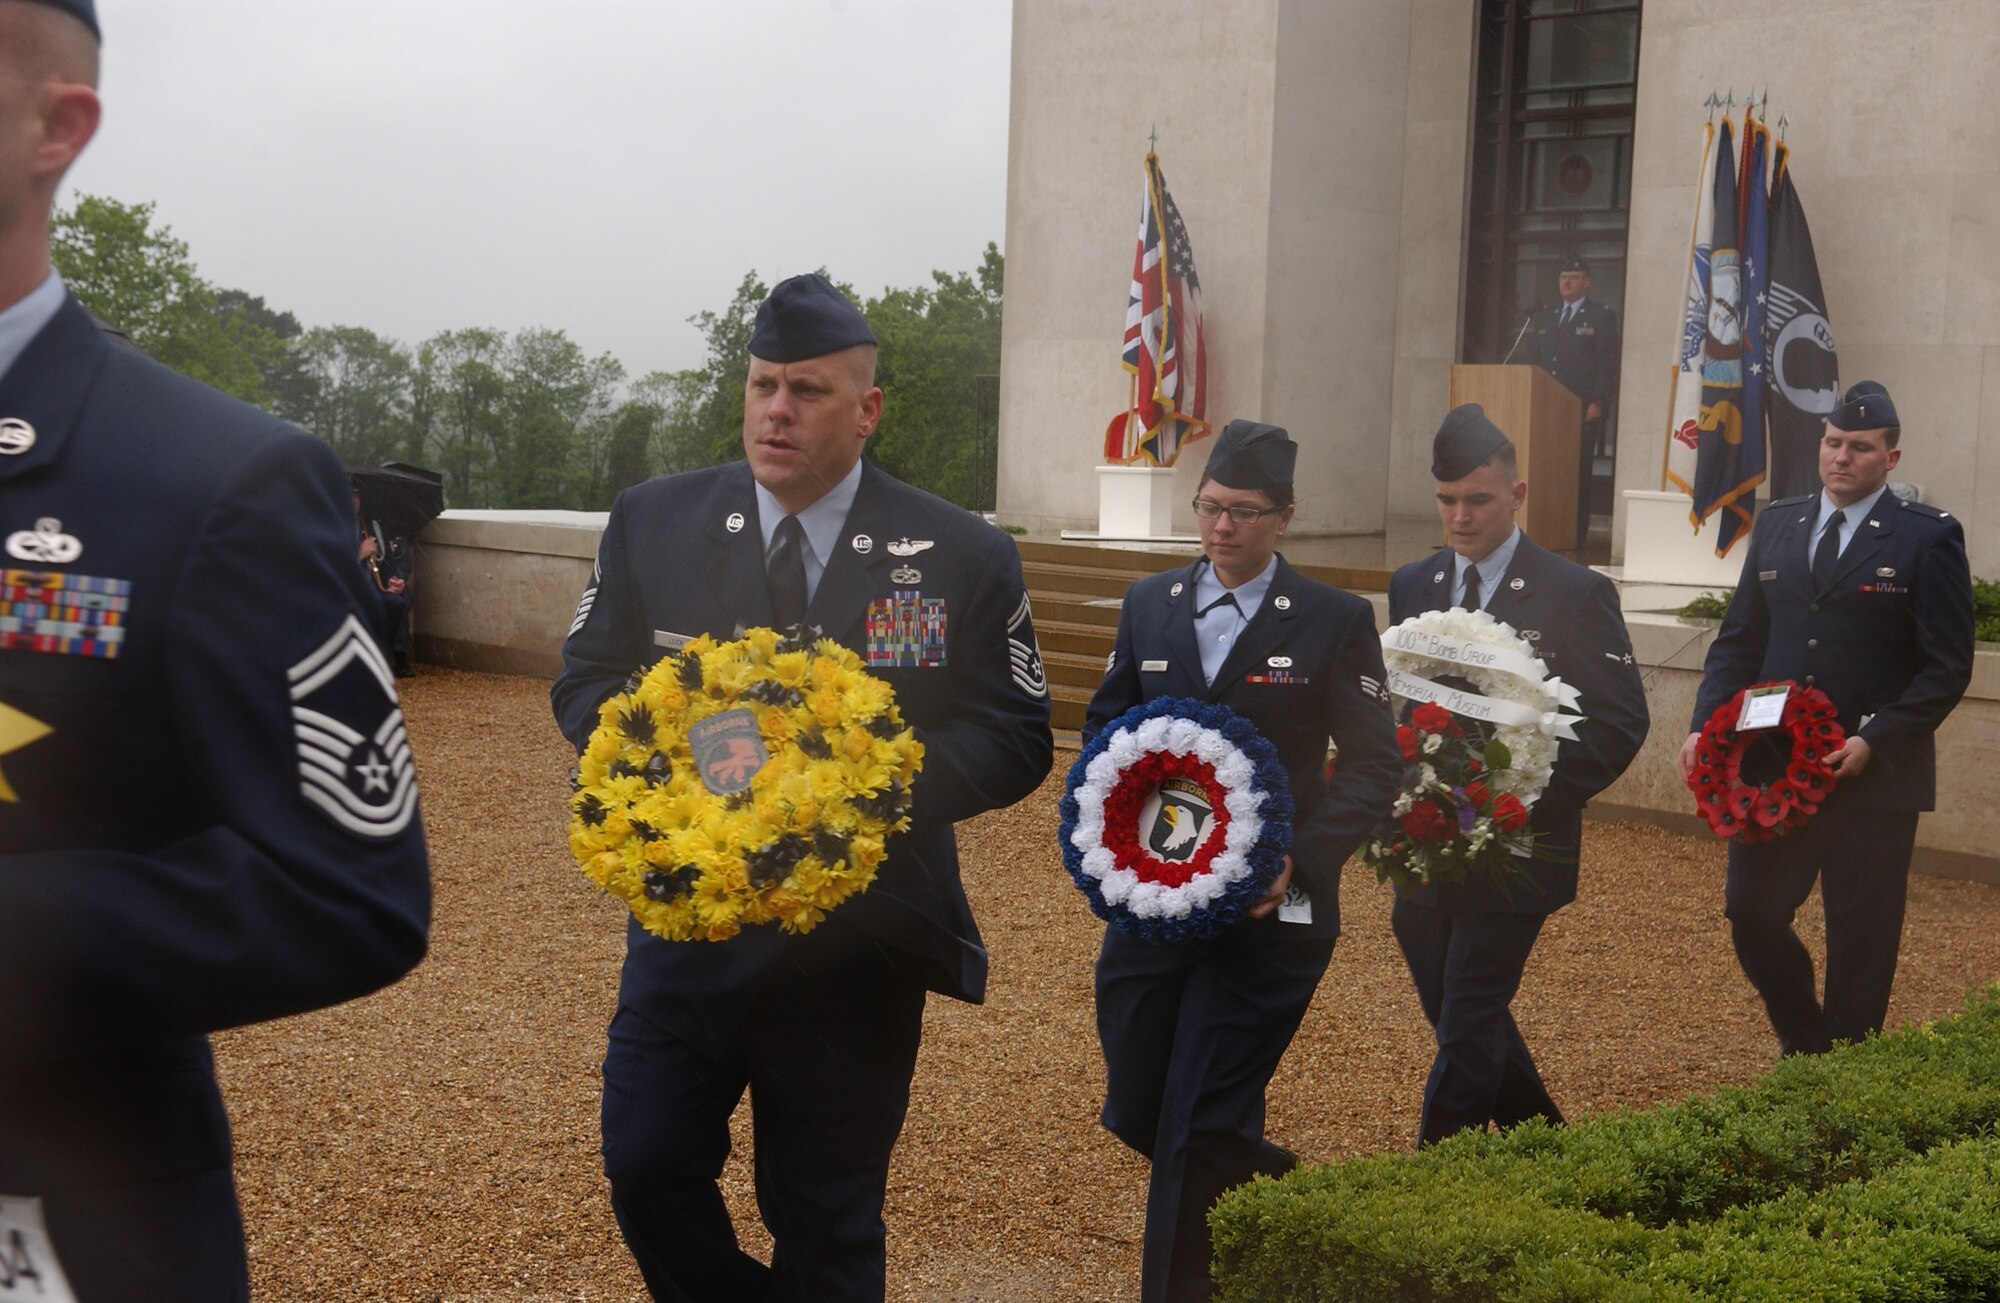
column 822, row 1028
column 1192, row 1031
column 208, row 815
column 1467, row 943
column 1869, row 599
column 1576, row 341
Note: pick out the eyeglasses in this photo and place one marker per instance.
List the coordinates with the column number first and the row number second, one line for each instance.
column 1209, row 509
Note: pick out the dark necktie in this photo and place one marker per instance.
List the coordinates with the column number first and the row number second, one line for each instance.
column 1227, row 599
column 1828, row 552
column 787, row 574
column 1472, row 582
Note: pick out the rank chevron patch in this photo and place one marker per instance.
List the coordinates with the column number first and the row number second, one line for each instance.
column 589, row 598
column 1023, row 656
column 354, row 756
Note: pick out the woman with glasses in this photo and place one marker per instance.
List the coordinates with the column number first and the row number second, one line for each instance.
column 1193, row 1030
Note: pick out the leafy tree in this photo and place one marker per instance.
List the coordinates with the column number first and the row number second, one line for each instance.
column 359, row 392
column 459, row 407
column 140, row 278
column 934, row 342
column 272, row 338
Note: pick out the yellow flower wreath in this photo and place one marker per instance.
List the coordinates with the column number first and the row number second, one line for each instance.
column 743, row 782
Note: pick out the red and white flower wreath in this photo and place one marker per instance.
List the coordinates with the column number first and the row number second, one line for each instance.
column 1241, row 848
column 1757, row 812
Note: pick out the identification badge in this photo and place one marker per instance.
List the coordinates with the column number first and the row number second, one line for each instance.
column 1762, row 708
column 673, row 642
column 28, row 1266
column 906, row 630
column 1152, row 667
column 1297, row 907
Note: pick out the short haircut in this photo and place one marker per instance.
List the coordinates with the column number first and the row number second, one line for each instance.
column 1507, row 459
column 1279, row 495
column 42, row 43
column 1891, row 435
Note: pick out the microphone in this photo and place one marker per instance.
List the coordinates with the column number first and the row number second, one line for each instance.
column 1526, row 321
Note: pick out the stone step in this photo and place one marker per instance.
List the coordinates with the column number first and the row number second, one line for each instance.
column 1063, row 636
column 1074, row 608
column 1079, row 669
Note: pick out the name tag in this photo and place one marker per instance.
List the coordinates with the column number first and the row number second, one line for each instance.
column 1767, row 574
column 1762, row 708
column 1297, row 907
column 28, row 1266
column 670, row 641
column 1152, row 667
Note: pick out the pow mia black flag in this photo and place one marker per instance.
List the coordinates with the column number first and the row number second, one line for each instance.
column 1802, row 374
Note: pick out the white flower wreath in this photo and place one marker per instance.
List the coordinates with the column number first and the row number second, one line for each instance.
column 1513, row 693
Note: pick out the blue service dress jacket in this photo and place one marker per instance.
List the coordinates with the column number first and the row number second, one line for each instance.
column 1888, row 638
column 208, row 810
column 1306, row 668
column 684, row 556
column 1569, row 614
column 1582, row 353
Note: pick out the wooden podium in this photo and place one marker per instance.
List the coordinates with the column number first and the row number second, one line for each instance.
column 1545, row 421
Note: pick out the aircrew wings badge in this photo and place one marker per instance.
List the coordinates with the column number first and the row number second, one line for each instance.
column 354, row 757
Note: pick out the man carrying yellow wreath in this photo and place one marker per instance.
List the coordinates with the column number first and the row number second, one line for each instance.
column 806, row 535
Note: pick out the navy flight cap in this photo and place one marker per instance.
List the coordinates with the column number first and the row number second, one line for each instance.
column 85, row 12
column 1252, row 456
column 1465, row 442
column 806, row 317
column 1867, row 406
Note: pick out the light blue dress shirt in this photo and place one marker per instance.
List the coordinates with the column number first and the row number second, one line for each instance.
column 1215, row 633
column 1856, row 512
column 21, row 323
column 821, row 522
column 1491, row 571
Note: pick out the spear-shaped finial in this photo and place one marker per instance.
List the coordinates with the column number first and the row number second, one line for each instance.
column 1782, row 120
column 1152, row 137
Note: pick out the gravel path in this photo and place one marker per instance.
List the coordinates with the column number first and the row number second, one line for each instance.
column 437, row 1142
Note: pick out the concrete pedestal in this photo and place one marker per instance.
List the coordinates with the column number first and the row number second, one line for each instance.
column 1136, row 504
column 1662, row 548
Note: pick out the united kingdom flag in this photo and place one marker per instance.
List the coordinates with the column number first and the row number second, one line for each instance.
column 1164, row 349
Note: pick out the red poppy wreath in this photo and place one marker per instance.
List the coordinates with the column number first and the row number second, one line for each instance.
column 1759, row 784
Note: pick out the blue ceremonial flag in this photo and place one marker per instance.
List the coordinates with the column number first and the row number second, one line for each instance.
column 1754, row 199
column 1718, row 481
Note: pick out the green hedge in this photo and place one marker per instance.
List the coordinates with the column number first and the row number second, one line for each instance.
column 1872, row 1173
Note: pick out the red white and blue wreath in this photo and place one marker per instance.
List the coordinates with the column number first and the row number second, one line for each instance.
column 1176, row 819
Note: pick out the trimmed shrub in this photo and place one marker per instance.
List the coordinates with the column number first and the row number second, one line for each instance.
column 1869, row 1173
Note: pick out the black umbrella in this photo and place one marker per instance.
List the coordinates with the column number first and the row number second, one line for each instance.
column 400, row 498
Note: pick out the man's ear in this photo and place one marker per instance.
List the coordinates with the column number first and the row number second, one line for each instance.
column 70, row 114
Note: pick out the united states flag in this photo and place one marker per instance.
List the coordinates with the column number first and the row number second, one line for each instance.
column 1164, row 349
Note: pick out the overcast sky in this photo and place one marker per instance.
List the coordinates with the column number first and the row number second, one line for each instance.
column 608, row 167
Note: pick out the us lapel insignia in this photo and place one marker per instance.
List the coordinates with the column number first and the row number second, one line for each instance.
column 903, row 576
column 1518, row 584
column 1283, row 603
column 45, row 543
column 863, row 544
column 1438, row 578
column 735, row 522
column 909, row 547
column 16, row 436
column 1175, row 591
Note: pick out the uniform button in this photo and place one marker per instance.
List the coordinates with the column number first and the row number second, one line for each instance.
column 1809, row 680
column 1813, row 609
column 1811, row 643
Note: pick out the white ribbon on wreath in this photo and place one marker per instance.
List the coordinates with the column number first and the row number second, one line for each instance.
column 1529, row 708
